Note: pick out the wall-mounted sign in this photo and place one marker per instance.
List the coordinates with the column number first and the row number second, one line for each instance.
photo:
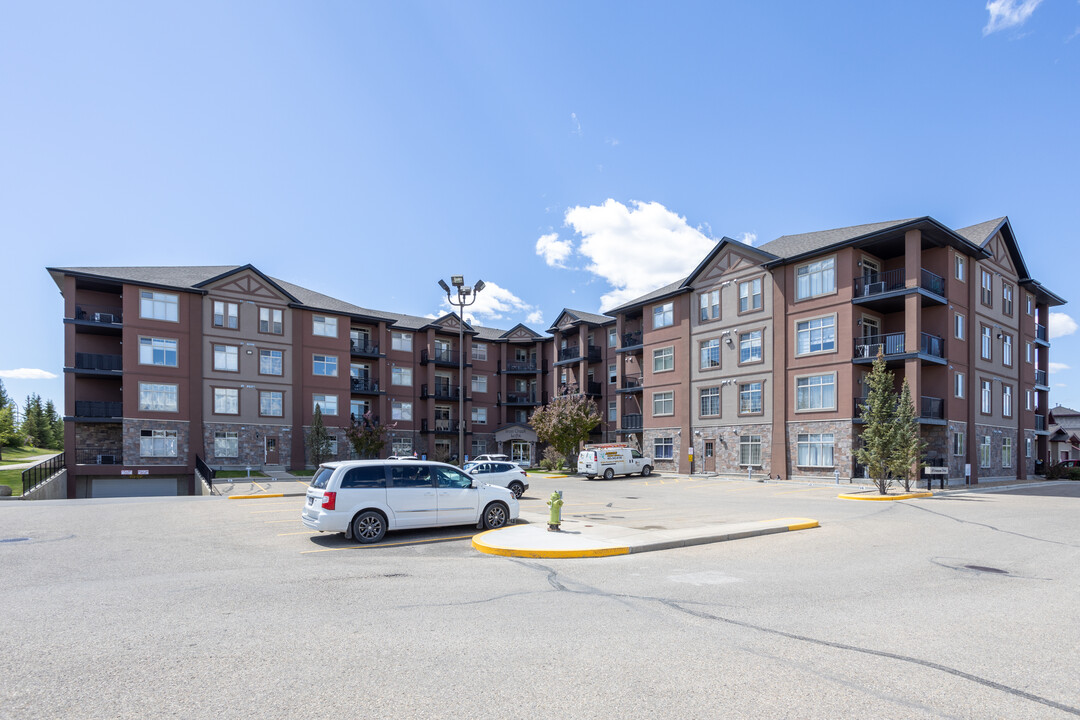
column 144, row 472
column 125, row 472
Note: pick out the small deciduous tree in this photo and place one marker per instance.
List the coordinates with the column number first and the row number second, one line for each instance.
column 367, row 436
column 879, row 432
column 565, row 422
column 909, row 448
column 9, row 436
column 318, row 439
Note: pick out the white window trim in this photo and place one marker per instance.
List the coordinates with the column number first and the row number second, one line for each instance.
column 327, row 322
column 795, row 278
column 663, row 414
column 672, row 368
column 152, row 299
column 836, row 392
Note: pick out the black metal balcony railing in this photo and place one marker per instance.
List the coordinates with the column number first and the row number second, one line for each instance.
column 438, row 355
column 932, row 282
column 37, row 474
column 632, row 382
column 1041, row 378
column 363, row 347
column 521, row 365
column 593, row 353
column 363, row 384
column 99, row 455
column 98, row 409
column 932, row 408
column 95, row 361
column 860, row 407
column 521, row 398
column 100, row 314
column 1040, row 333
column 439, row 425
column 888, row 281
column 440, row 391
column 631, row 422
column 591, row 388
column 632, row 339
column 932, row 345
column 1040, row 422
column 869, row 346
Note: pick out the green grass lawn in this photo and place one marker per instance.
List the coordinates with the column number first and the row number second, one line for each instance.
column 20, row 454
column 13, row 479
column 237, row 474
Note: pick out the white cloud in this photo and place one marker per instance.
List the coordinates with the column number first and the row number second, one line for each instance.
column 1061, row 325
column 612, row 141
column 27, row 374
column 493, row 303
column 553, row 250
column 747, row 237
column 535, row 318
column 636, row 249
column 576, row 129
column 1060, row 385
column 1058, row 367
column 1005, row 14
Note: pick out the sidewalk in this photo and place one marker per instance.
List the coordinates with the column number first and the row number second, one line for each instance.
column 277, row 484
column 30, row 462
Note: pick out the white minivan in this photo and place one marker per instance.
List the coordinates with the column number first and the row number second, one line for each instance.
column 611, row 460
column 365, row 498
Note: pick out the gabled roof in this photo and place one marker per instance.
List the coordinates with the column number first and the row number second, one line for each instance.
column 669, row 290
column 577, row 317
column 438, row 324
column 528, row 330
column 981, row 233
column 724, row 242
column 248, row 268
column 787, row 246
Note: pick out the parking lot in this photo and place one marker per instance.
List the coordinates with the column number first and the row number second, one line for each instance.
column 956, row 606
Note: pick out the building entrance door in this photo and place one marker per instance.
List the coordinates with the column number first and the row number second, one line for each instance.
column 710, row 457
column 521, row 452
column 270, row 457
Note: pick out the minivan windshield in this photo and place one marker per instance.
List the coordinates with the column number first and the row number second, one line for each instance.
column 322, row 477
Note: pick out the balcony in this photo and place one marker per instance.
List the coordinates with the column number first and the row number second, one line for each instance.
column 363, row 348
column 103, row 319
column 893, row 347
column 1042, row 380
column 99, row 455
column 632, row 341
column 1040, row 424
column 593, row 354
column 441, row 356
column 885, row 291
column 520, row 366
column 364, row 386
column 440, row 391
column 631, row 423
column 95, row 409
column 521, row 398
column 1040, row 335
column 439, row 425
column 94, row 364
column 591, row 388
column 631, row 384
column 931, row 410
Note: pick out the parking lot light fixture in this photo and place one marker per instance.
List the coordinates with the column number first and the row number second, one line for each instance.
column 465, row 296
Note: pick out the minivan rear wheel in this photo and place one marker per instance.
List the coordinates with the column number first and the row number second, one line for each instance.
column 369, row 527
column 496, row 515
column 517, row 488
column 608, row 474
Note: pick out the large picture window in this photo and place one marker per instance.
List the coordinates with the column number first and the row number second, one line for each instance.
column 400, row 410
column 157, row 443
column 816, row 392
column 158, row 397
column 325, row 365
column 270, row 403
column 226, row 401
column 401, row 376
column 815, row 449
column 710, row 354
column 663, row 315
column 816, row 278
column 815, row 335
column 270, row 362
column 750, row 450
column 159, row 306
column 157, row 351
column 710, row 402
column 227, row 358
column 401, row 341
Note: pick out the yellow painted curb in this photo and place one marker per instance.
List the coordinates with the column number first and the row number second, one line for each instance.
column 908, row 496
column 512, row 552
column 804, row 525
column 255, row 497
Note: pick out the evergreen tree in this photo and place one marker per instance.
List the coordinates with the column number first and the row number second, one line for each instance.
column 4, row 399
column 879, row 434
column 318, row 439
column 56, row 426
column 909, row 449
column 9, row 436
column 35, row 428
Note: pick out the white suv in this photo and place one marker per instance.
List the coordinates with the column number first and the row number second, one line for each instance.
column 365, row 498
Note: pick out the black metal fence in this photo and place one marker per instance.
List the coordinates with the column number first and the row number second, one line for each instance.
column 98, row 409
column 37, row 474
column 97, row 361
column 110, row 455
column 206, row 471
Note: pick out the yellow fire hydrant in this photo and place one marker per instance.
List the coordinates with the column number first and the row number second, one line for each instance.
column 555, row 503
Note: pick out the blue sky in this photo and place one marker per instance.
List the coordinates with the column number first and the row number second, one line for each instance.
column 570, row 154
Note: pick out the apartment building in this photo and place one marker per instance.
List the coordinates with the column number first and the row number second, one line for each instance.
column 585, row 346
column 757, row 361
column 167, row 368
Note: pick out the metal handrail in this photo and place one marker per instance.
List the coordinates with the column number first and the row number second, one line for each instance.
column 97, row 361
column 101, row 314
column 890, row 344
column 99, row 455
column 878, row 283
column 98, row 408
column 632, row 339
column 632, row 421
column 37, row 474
column 932, row 345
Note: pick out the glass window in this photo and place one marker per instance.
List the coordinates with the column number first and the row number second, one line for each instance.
column 479, row 416
column 958, row 443
column 710, row 305
column 987, row 352
column 750, row 295
column 1006, row 350
column 959, row 267
column 401, row 376
column 410, row 475
column 325, row 365
column 816, row 335
column 400, row 410
column 612, row 337
column 984, row 452
column 663, row 403
column 270, row 403
column 987, row 290
column 157, row 443
column 750, row 400
column 1006, row 401
column 1027, row 352
column 401, row 341
column 325, row 326
column 710, row 354
column 158, row 397
column 227, row 357
column 959, row 385
column 710, row 402
column 451, row 478
column 1007, row 299
column 270, row 321
column 1027, row 447
column 479, row 383
column 365, row 476
column 402, row 446
column 359, row 408
column 663, row 315
column 270, row 362
column 816, row 278
column 816, row 392
column 985, row 396
column 226, row 445
column 663, row 359
column 612, row 410
column 157, row 351
column 159, row 306
column 326, row 403
column 663, row 448
column 226, row 315
column 479, row 351
column 750, row 346
column 750, row 450
column 226, row 401
column 611, row 374
column 959, row 331
column 815, row 450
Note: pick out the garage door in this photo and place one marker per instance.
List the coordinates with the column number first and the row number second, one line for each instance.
column 133, row 487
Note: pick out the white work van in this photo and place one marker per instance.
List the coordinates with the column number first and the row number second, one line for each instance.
column 612, row 459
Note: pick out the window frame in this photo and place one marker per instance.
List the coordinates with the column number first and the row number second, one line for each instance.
column 271, row 323
column 959, row 325
column 228, row 435
column 808, row 320
column 986, row 287
column 163, row 434
column 1007, row 409
column 958, row 267
column 749, row 445
column 986, row 342
column 760, row 332
column 153, row 339
column 985, row 452
column 831, row 259
column 478, row 379
column 403, row 408
column 226, row 316
column 315, row 402
column 399, row 374
column 479, row 351
column 709, row 306
column 710, row 345
column 1007, row 358
column 959, row 385
column 155, row 297
column 281, row 361
column 810, row 376
column 666, row 313
column 670, row 350
column 958, row 442
column 214, row 389
column 398, row 337
column 175, row 393
column 281, row 399
column 760, row 391
column 986, row 396
column 225, row 348
column 660, row 397
column 1007, row 298
column 327, row 322
column 820, row 444
column 664, row 448
column 714, row 396
column 752, row 307
column 326, row 362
